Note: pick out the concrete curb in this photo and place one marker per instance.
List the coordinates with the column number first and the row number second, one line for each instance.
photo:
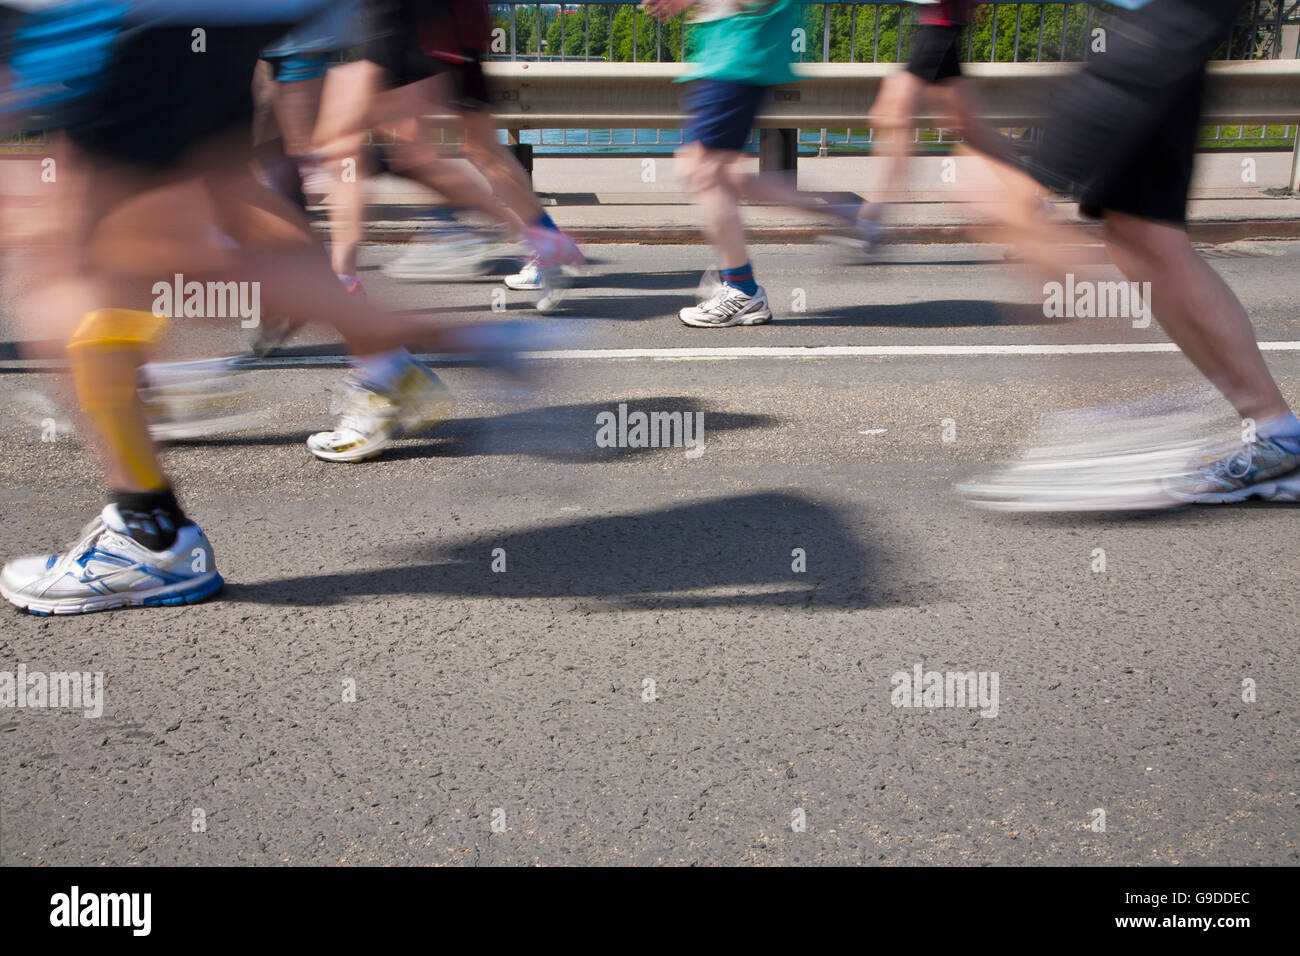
column 1209, row 231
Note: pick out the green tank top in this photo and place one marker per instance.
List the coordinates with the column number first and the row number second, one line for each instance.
column 745, row 41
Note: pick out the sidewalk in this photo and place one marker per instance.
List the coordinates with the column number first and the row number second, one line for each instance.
column 631, row 199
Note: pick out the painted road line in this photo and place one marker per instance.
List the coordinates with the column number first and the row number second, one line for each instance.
column 719, row 353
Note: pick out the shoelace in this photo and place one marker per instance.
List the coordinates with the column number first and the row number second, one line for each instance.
column 715, row 300
column 85, row 542
column 1226, row 466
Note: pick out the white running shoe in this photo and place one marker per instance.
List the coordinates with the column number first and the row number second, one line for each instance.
column 107, row 569
column 861, row 235
column 729, row 306
column 462, row 253
column 370, row 419
column 556, row 257
column 527, row 279
column 1260, row 469
column 553, row 248
column 180, row 400
column 530, row 278
column 197, row 399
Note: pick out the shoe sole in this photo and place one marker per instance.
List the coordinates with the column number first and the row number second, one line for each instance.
column 347, row 457
column 571, row 272
column 749, row 318
column 552, row 295
column 860, row 246
column 182, row 431
column 1283, row 489
column 167, row 596
column 475, row 272
column 437, row 414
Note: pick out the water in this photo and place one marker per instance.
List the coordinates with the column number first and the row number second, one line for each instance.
column 612, row 142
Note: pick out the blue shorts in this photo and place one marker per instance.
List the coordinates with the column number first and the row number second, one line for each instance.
column 299, row 66
column 721, row 113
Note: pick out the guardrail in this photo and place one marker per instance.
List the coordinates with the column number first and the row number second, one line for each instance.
column 853, row 31
column 543, row 95
column 536, row 95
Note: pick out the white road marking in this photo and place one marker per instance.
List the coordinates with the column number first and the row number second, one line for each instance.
column 716, row 353
column 873, row 431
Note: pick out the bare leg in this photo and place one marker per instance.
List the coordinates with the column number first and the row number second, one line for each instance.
column 346, row 209
column 1197, row 309
column 296, row 105
column 965, row 111
column 355, row 102
column 498, row 166
column 775, row 189
column 715, row 193
column 417, row 159
column 894, row 112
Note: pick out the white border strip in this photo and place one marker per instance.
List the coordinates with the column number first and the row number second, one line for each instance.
column 752, row 352
column 869, row 351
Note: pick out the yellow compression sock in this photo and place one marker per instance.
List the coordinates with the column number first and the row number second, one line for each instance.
column 106, row 351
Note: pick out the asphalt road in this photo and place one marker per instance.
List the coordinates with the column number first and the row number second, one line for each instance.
column 518, row 701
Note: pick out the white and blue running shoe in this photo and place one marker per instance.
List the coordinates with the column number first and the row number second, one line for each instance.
column 1260, row 469
column 107, row 569
column 458, row 253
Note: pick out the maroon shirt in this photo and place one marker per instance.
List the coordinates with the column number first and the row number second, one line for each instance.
column 947, row 13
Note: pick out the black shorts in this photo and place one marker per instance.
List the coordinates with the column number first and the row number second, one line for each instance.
column 934, row 58
column 157, row 98
column 393, row 41
column 469, row 85
column 1124, row 136
column 393, row 30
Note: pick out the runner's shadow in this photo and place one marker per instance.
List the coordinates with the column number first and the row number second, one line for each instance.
column 554, row 432
column 728, row 552
column 940, row 314
column 569, row 432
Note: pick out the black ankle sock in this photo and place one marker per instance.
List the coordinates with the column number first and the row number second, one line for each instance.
column 151, row 517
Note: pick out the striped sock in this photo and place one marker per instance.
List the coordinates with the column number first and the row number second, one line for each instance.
column 742, row 278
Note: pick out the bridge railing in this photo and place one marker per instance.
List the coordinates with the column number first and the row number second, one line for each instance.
column 861, row 31
column 878, row 32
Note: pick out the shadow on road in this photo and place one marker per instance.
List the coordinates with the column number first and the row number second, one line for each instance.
column 729, row 552
column 939, row 314
column 555, row 432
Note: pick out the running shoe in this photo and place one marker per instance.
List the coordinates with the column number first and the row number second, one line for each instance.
column 370, row 419
column 861, row 234
column 553, row 284
column 1118, row 457
column 729, row 306
column 107, row 569
column 456, row 254
column 555, row 259
column 527, row 279
column 196, row 399
column 1259, row 469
